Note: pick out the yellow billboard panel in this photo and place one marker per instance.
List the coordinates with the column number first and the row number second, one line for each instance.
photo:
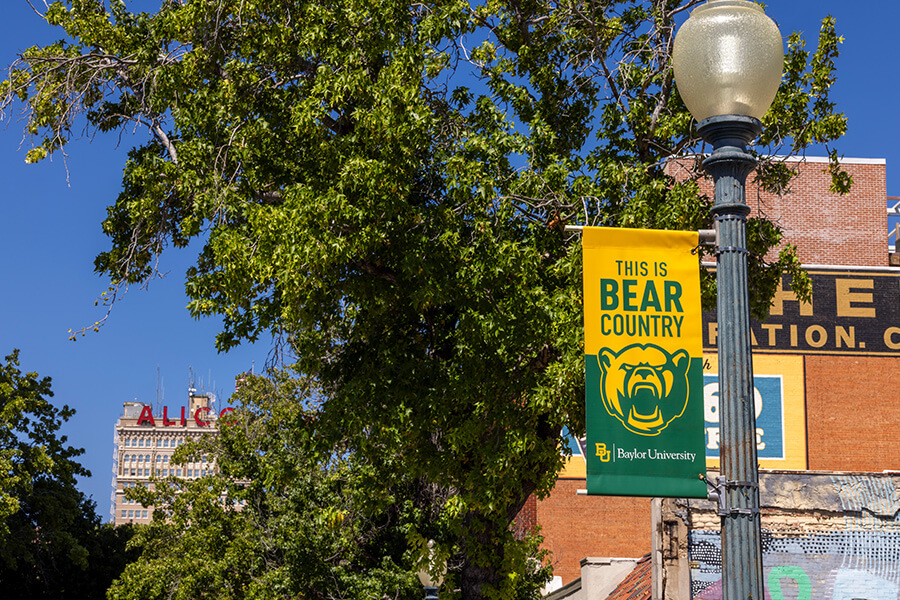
column 780, row 399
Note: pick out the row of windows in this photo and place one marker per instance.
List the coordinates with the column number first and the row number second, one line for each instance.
column 148, row 443
column 146, row 457
column 137, row 457
column 167, row 472
column 134, row 514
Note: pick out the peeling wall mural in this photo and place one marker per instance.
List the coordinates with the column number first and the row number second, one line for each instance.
column 848, row 548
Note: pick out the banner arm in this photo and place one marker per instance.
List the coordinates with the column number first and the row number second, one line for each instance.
column 707, row 236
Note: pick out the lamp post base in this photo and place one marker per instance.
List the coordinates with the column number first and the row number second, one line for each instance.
column 431, row 593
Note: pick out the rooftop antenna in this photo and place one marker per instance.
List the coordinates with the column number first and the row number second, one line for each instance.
column 156, row 408
column 191, row 388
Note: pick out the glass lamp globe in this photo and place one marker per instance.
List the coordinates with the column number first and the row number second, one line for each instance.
column 431, row 571
column 428, row 580
column 728, row 58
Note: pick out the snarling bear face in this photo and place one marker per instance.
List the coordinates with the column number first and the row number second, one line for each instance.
column 644, row 387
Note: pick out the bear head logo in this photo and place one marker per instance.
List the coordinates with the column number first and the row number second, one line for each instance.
column 644, row 387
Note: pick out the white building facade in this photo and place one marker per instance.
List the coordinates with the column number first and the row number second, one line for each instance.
column 144, row 444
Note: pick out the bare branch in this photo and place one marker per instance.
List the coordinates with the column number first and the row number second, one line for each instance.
column 164, row 140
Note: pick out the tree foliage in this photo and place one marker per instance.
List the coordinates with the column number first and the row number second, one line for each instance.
column 283, row 513
column 52, row 543
column 383, row 186
column 32, row 457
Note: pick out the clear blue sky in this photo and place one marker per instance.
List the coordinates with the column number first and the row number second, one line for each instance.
column 50, row 234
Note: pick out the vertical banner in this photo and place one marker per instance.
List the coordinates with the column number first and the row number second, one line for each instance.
column 643, row 363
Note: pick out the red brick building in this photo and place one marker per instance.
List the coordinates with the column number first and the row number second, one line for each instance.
column 825, row 371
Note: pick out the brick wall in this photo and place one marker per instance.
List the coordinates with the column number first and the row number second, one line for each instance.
column 575, row 527
column 853, row 413
column 827, row 228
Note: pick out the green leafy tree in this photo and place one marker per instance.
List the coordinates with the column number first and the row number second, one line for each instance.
column 52, row 543
column 283, row 514
column 33, row 459
column 383, row 186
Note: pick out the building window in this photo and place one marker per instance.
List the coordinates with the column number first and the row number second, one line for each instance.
column 144, row 514
column 179, row 473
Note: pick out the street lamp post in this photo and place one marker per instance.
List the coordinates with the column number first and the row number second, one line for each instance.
column 728, row 58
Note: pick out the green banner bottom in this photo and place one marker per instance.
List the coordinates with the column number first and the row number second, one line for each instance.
column 652, row 486
column 668, row 463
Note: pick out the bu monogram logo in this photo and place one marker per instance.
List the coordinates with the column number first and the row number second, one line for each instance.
column 644, row 387
column 603, row 453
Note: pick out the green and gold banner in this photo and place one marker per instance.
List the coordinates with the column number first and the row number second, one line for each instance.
column 644, row 363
